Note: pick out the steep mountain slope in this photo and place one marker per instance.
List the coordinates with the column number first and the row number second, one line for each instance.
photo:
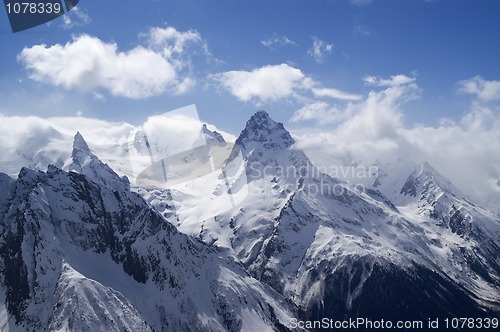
column 263, row 186
column 407, row 246
column 336, row 250
column 80, row 252
column 427, row 195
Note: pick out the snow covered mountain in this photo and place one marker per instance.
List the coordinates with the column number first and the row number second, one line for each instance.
column 338, row 251
column 79, row 251
column 250, row 244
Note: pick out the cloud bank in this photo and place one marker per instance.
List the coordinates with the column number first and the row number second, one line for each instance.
column 90, row 64
column 480, row 88
column 465, row 151
column 276, row 82
column 268, row 83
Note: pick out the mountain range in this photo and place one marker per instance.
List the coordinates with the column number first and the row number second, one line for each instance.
column 260, row 242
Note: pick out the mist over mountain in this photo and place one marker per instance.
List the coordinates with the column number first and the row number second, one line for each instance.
column 258, row 243
column 80, row 251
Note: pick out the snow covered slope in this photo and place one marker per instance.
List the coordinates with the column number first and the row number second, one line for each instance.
column 80, row 252
column 334, row 249
column 242, row 247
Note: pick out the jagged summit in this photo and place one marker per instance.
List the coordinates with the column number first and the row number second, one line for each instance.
column 212, row 137
column 426, row 179
column 261, row 130
column 81, row 154
column 83, row 245
column 85, row 162
column 79, row 143
column 78, row 254
column 5, row 186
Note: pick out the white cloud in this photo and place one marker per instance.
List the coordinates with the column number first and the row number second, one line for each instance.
column 394, row 80
column 75, row 18
column 98, row 96
column 89, row 64
column 334, row 93
column 379, row 114
column 273, row 82
column 268, row 83
column 276, row 40
column 480, row 88
column 321, row 112
column 172, row 42
column 320, row 49
column 95, row 131
column 466, row 152
column 35, row 142
column 373, row 129
column 364, row 115
column 372, row 118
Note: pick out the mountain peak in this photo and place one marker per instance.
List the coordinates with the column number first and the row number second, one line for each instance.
column 426, row 167
column 79, row 143
column 83, row 161
column 426, row 178
column 261, row 114
column 81, row 154
column 212, row 137
column 260, row 118
column 260, row 129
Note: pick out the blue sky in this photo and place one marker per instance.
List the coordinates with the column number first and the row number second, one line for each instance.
column 439, row 43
